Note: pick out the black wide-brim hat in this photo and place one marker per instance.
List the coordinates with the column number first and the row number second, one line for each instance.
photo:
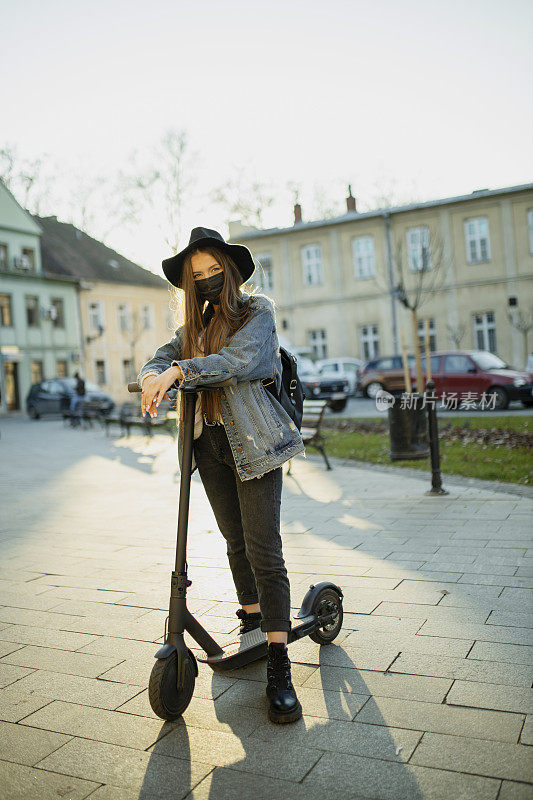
column 203, row 237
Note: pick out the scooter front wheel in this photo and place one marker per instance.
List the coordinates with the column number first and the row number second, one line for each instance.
column 327, row 603
column 167, row 701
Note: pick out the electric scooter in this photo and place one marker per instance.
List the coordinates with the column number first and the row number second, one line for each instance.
column 173, row 675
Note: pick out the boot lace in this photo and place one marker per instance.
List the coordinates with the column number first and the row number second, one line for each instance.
column 279, row 670
column 249, row 622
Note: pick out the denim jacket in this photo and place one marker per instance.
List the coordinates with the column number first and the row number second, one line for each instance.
column 261, row 434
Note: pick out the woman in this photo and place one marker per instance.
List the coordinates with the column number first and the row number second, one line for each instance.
column 242, row 435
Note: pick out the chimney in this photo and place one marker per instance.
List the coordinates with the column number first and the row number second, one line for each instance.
column 297, row 213
column 350, row 200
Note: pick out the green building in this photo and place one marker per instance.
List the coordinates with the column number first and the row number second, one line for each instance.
column 40, row 334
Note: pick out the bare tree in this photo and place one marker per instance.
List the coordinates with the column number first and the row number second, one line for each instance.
column 427, row 274
column 25, row 178
column 456, row 334
column 244, row 197
column 522, row 322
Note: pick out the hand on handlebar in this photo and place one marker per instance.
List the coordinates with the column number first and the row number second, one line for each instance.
column 154, row 389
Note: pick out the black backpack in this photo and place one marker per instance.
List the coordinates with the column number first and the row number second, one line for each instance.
column 292, row 393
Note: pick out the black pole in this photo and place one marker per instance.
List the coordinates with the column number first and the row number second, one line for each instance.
column 436, row 479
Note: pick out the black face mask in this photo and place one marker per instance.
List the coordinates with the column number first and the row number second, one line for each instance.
column 210, row 288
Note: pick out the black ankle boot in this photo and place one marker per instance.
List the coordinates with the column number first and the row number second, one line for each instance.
column 284, row 705
column 249, row 622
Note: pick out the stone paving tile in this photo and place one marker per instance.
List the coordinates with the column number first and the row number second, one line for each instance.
column 315, row 702
column 16, row 704
column 343, row 656
column 60, row 661
column 516, row 618
column 414, row 643
column 45, row 637
column 227, row 784
column 17, row 599
column 381, row 624
column 515, row 791
column 122, row 766
column 271, row 758
column 408, row 687
column 421, row 611
column 76, row 689
column 24, row 745
column 488, row 633
column 489, row 695
column 348, row 776
column 526, row 737
column 86, row 722
column 9, row 674
column 21, row 782
column 416, row 715
column 46, row 619
column 492, row 759
column 99, row 611
column 373, row 741
column 467, row 669
column 511, row 653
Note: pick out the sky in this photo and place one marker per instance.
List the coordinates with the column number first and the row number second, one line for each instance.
column 418, row 99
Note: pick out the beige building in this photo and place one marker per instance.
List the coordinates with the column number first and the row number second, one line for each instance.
column 124, row 310
column 336, row 281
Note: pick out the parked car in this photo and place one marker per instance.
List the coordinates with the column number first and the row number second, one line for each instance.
column 346, row 368
column 319, row 387
column 478, row 372
column 460, row 371
column 385, row 372
column 53, row 397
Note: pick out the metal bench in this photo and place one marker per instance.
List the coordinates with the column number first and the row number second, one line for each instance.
column 313, row 412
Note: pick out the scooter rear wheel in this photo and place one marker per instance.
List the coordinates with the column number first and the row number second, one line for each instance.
column 328, row 601
column 167, row 701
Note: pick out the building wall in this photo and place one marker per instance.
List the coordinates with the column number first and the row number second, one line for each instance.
column 345, row 302
column 114, row 345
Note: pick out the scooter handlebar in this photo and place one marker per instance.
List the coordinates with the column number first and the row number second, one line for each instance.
column 134, row 387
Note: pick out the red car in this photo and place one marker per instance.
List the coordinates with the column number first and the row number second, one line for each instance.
column 475, row 372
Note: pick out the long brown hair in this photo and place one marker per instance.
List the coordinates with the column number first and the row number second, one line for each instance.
column 202, row 320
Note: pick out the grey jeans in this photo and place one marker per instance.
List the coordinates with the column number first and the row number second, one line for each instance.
column 248, row 515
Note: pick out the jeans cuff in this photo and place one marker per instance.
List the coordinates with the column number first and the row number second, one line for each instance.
column 248, row 599
column 276, row 625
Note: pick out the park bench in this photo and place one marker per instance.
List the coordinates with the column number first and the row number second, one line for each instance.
column 313, row 412
column 129, row 415
column 85, row 414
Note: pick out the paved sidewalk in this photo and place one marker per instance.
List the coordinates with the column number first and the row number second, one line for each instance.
column 423, row 696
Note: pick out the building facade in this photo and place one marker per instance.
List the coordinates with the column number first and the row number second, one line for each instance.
column 40, row 335
column 124, row 309
column 337, row 283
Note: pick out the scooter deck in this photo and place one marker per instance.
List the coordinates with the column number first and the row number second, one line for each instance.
column 252, row 646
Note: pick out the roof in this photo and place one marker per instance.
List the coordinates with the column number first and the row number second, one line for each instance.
column 350, row 216
column 65, row 250
column 13, row 216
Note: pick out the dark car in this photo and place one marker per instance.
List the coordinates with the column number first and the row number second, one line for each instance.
column 53, row 397
column 322, row 387
column 385, row 372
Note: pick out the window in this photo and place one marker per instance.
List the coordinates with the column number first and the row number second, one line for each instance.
column 369, row 341
column 529, row 226
column 128, row 374
column 434, row 364
column 6, row 316
column 100, row 370
column 312, row 265
column 3, row 256
column 96, row 315
column 32, row 311
column 58, row 315
column 318, row 343
column 485, row 331
column 28, row 255
column 422, row 334
column 124, row 321
column 36, row 369
column 147, row 317
column 457, row 363
column 477, row 240
column 61, row 368
column 363, row 257
column 418, row 255
column 264, row 273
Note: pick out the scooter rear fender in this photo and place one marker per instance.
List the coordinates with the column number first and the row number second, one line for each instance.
column 307, row 604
